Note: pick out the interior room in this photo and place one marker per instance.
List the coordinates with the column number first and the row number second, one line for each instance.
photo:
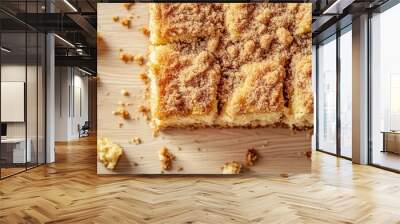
column 56, row 69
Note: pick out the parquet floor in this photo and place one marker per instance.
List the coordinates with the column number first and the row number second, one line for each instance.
column 69, row 191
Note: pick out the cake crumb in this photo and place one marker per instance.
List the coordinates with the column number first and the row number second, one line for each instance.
column 115, row 18
column 180, row 168
column 308, row 154
column 139, row 59
column 232, row 168
column 285, row 175
column 155, row 133
column 120, row 125
column 143, row 76
column 136, row 140
column 251, row 157
column 165, row 158
column 145, row 31
column 121, row 111
column 145, row 111
column 126, row 22
column 108, row 153
column 125, row 57
column 124, row 92
column 127, row 6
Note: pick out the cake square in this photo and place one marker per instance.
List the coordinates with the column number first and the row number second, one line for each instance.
column 183, row 86
column 172, row 22
column 300, row 108
column 255, row 97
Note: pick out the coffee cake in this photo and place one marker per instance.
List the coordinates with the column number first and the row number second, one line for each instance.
column 230, row 65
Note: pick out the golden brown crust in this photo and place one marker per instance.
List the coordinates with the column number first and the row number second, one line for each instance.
column 245, row 64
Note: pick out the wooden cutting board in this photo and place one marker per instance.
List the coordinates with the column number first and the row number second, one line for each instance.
column 201, row 151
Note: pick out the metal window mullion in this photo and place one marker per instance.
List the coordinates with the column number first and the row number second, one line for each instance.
column 45, row 95
column 37, row 91
column 317, row 97
column 369, row 100
column 338, row 72
column 26, row 88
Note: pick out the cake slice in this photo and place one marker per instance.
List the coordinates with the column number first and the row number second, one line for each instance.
column 300, row 109
column 253, row 96
column 298, row 86
column 172, row 22
column 183, row 86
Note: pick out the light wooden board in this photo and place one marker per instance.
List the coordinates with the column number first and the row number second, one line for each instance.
column 203, row 151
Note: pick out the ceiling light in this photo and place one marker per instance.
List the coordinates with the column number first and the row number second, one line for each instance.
column 84, row 71
column 5, row 50
column 337, row 7
column 70, row 5
column 64, row 40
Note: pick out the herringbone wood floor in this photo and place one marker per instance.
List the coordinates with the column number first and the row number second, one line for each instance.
column 69, row 191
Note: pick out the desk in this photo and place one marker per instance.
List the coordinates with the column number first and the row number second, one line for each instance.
column 16, row 153
column 391, row 141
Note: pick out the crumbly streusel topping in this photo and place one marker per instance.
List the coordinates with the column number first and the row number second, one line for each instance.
column 188, row 21
column 252, row 54
column 187, row 80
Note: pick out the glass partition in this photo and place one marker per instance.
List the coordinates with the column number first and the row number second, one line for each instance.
column 14, row 155
column 22, row 101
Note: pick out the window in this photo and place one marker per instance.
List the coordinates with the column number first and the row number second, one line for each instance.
column 346, row 92
column 327, row 95
column 385, row 89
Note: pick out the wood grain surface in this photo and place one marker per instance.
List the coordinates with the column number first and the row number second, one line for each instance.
column 200, row 151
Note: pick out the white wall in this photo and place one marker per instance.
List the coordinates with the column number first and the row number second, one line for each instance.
column 70, row 83
column 62, row 81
